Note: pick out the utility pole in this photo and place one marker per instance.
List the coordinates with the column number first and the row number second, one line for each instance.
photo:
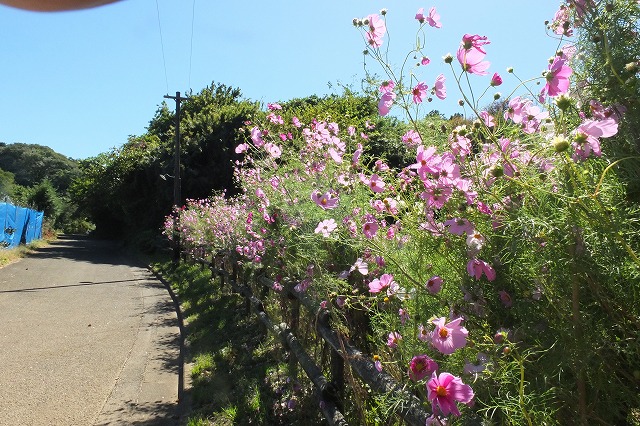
column 177, row 196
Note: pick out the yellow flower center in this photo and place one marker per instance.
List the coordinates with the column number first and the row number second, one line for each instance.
column 443, row 333
column 441, row 391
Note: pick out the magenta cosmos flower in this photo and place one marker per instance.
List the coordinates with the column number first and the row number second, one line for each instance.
column 477, row 267
column 444, row 390
column 496, row 80
column 557, row 78
column 420, row 367
column 450, row 336
column 434, row 284
column 419, row 92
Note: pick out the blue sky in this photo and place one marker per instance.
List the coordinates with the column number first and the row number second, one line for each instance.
column 81, row 82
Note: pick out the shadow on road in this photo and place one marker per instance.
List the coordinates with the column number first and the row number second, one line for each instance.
column 85, row 249
column 81, row 284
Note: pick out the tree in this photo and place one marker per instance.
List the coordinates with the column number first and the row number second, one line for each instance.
column 44, row 198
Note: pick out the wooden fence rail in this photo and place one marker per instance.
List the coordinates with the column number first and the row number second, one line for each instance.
column 331, row 393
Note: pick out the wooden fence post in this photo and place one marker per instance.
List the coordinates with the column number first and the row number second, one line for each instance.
column 295, row 328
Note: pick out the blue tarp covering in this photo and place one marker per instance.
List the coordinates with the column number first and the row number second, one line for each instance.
column 19, row 225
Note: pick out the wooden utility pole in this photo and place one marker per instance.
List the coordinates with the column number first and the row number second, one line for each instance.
column 177, row 196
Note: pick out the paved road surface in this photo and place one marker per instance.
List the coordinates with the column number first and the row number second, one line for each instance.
column 86, row 338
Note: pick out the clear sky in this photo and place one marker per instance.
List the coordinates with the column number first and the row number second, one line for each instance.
column 81, row 82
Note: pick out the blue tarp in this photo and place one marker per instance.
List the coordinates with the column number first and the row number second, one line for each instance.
column 19, row 225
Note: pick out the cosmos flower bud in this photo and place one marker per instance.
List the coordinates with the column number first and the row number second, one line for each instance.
column 448, row 58
column 560, row 144
column 563, row 102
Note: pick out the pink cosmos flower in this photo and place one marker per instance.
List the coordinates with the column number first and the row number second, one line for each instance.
column 377, row 363
column 273, row 149
column 496, row 80
column 242, row 148
column 439, row 87
column 420, row 367
column 420, row 15
column 516, row 109
column 423, row 334
column 533, row 116
column 426, row 161
column 419, row 92
column 385, row 282
column 335, row 155
column 393, row 339
column 386, row 102
column 387, row 86
column 433, row 19
column 256, row 137
column 449, row 337
column 472, row 62
column 436, row 195
column 459, row 226
column 444, row 390
column 434, row 420
column 586, row 136
column 356, row 154
column 275, row 119
column 326, row 227
column 325, row 201
column 375, row 183
column 370, row 228
column 404, row 315
column 487, row 119
column 425, row 61
column 561, row 23
column 296, row 122
column 411, row 138
column 360, row 266
column 274, row 106
column 477, row 267
column 377, row 29
column 557, row 78
column 434, row 284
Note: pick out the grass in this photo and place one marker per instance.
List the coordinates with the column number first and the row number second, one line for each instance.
column 8, row 256
column 239, row 373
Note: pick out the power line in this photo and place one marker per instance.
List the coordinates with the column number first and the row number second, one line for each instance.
column 193, row 14
column 164, row 61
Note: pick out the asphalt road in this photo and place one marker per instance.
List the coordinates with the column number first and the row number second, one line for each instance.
column 86, row 338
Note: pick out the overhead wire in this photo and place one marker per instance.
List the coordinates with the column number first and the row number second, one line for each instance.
column 193, row 15
column 164, row 61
